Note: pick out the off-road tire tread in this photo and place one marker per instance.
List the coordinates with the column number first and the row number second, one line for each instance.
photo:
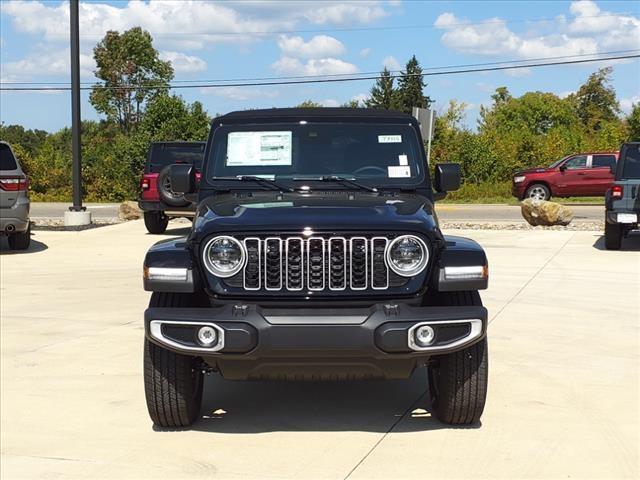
column 612, row 236
column 156, row 222
column 169, row 377
column 462, row 382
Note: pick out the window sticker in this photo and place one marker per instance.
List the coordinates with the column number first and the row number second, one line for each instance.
column 401, row 171
column 389, row 138
column 403, row 160
column 252, row 149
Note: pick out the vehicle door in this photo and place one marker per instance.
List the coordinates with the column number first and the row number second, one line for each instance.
column 600, row 176
column 572, row 180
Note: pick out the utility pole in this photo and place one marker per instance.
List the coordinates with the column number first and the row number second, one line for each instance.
column 77, row 214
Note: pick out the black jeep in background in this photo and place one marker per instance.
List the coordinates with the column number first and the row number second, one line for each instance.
column 157, row 199
column 622, row 200
column 315, row 254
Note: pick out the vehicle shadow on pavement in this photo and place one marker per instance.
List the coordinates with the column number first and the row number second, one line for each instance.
column 34, row 247
column 173, row 232
column 369, row 406
column 629, row 244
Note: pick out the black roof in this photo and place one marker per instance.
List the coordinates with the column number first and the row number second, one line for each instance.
column 322, row 114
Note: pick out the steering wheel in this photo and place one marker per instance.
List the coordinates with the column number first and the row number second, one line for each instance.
column 364, row 169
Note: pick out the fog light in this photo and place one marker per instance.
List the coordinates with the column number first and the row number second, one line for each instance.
column 207, row 336
column 424, row 336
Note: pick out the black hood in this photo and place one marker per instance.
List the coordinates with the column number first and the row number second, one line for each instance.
column 331, row 211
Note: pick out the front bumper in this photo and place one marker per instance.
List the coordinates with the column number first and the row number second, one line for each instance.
column 315, row 343
column 518, row 189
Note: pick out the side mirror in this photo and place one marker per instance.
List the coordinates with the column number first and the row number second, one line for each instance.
column 562, row 168
column 448, row 177
column 183, row 178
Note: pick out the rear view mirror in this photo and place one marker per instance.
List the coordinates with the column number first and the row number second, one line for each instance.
column 183, row 178
column 448, row 177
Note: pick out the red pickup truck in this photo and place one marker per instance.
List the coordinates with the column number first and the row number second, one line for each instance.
column 580, row 175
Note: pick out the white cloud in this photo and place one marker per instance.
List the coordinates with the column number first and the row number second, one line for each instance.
column 320, row 46
column 565, row 93
column 518, row 72
column 183, row 63
column 585, row 33
column 320, row 66
column 330, row 102
column 241, row 93
column 360, row 97
column 391, row 63
column 365, row 52
column 627, row 103
column 46, row 62
column 345, row 12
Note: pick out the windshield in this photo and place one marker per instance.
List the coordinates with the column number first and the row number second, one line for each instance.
column 557, row 162
column 376, row 154
column 631, row 162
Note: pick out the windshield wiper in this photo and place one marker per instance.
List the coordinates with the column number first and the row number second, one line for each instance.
column 264, row 181
column 347, row 181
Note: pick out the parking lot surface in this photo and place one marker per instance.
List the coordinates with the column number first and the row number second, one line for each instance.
column 563, row 386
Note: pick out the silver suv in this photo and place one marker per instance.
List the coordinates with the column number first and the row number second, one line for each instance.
column 14, row 200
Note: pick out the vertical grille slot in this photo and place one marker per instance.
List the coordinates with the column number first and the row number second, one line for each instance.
column 359, row 264
column 294, row 263
column 251, row 275
column 315, row 264
column 379, row 270
column 337, row 263
column 273, row 263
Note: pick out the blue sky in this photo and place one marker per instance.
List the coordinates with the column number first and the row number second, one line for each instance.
column 223, row 40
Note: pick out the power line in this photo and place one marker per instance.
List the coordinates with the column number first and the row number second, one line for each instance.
column 337, row 75
column 328, row 80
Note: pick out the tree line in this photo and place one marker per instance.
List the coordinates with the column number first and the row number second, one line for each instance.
column 533, row 129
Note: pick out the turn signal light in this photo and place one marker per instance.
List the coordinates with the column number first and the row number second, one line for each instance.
column 617, row 191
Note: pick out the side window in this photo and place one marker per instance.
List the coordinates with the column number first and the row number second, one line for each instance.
column 604, row 161
column 574, row 163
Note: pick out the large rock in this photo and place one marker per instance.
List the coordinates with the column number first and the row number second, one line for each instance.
column 540, row 212
column 129, row 211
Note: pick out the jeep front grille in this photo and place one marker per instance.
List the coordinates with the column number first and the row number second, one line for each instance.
column 315, row 264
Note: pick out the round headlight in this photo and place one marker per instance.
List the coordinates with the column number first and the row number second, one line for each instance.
column 224, row 256
column 407, row 255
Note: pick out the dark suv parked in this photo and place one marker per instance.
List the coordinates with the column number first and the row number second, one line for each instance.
column 157, row 199
column 14, row 200
column 622, row 202
column 315, row 255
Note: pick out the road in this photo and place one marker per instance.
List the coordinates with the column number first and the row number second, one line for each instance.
column 563, row 387
column 446, row 211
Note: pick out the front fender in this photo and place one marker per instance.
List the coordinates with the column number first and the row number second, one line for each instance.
column 462, row 266
column 168, row 267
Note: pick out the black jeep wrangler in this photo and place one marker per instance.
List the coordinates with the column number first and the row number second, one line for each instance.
column 315, row 254
column 622, row 200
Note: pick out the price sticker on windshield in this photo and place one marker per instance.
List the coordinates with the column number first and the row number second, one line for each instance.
column 389, row 138
column 399, row 171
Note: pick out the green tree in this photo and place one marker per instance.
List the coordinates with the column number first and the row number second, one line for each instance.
column 131, row 72
column 411, row 87
column 29, row 140
column 383, row 94
column 633, row 123
column 309, row 104
column 596, row 100
column 169, row 117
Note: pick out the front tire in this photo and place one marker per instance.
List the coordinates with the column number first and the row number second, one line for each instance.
column 156, row 222
column 538, row 191
column 458, row 380
column 612, row 236
column 172, row 382
column 20, row 241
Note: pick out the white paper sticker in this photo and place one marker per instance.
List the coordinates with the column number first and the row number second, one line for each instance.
column 399, row 172
column 251, row 149
column 403, row 160
column 389, row 138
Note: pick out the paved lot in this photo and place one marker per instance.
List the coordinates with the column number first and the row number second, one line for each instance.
column 563, row 399
column 446, row 211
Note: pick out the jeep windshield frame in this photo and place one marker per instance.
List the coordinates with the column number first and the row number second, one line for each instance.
column 384, row 154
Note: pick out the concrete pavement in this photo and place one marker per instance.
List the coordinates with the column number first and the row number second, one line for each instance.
column 563, row 387
column 448, row 212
